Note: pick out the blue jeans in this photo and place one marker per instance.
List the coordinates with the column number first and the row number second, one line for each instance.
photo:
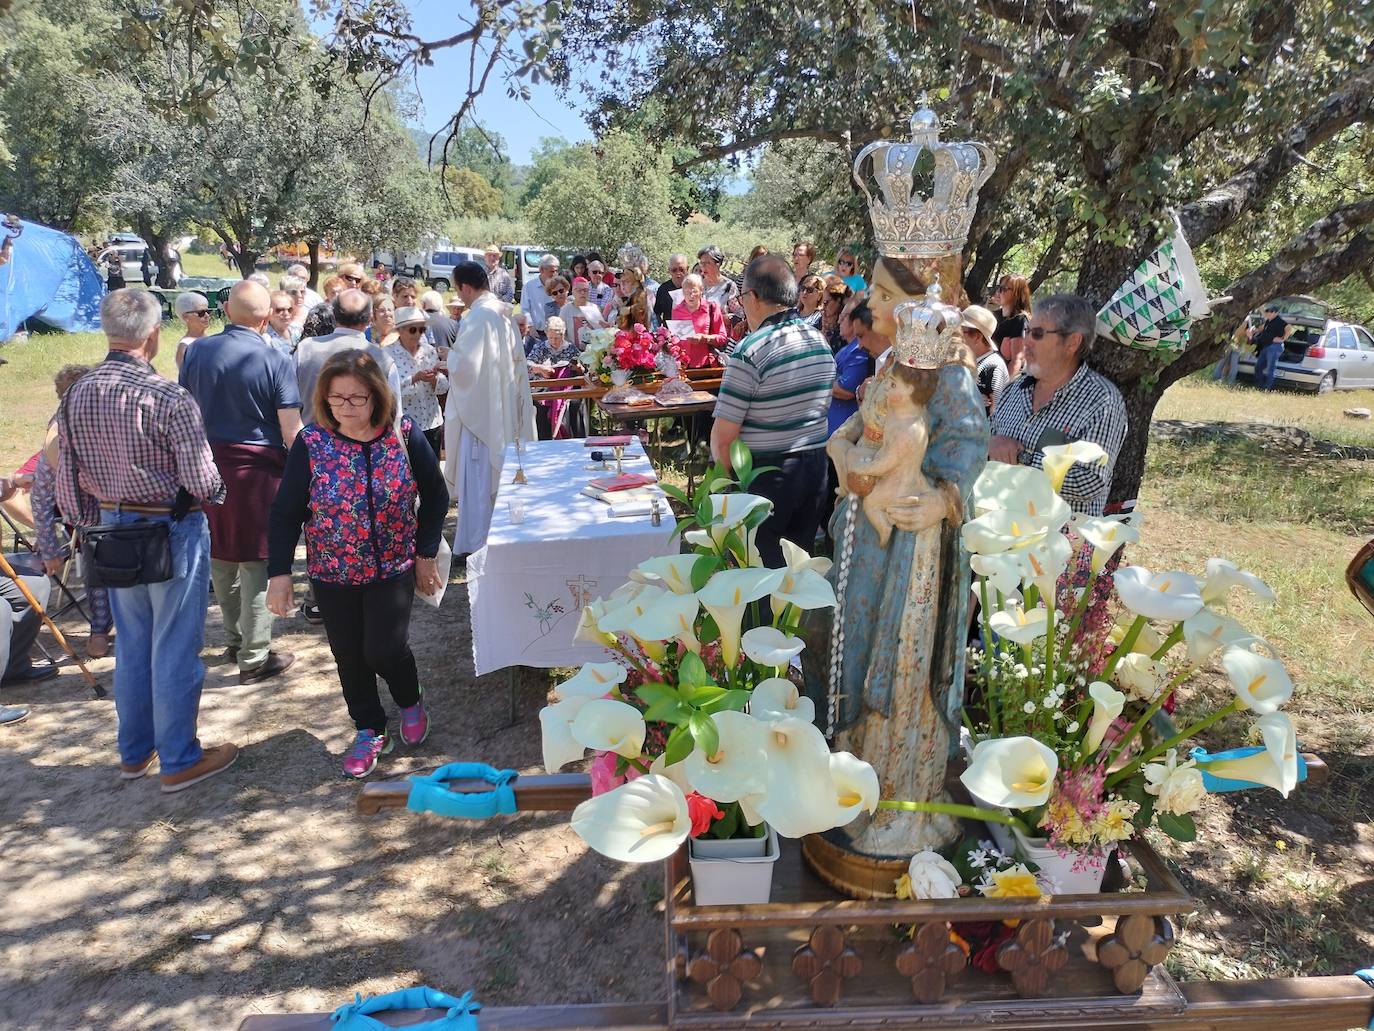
column 1267, row 366
column 161, row 627
column 1227, row 366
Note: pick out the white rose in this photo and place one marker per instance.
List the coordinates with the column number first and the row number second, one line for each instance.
column 933, row 877
column 1139, row 676
column 1177, row 787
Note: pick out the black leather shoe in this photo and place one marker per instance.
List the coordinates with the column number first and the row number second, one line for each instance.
column 277, row 662
column 32, row 675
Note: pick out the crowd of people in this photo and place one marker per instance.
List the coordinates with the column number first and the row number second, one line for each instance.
column 356, row 415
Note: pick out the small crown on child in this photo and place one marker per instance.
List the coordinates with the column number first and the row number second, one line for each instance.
column 927, row 331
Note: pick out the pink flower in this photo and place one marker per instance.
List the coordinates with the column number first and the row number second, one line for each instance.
column 603, row 775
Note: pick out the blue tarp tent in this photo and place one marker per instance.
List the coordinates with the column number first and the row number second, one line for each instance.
column 49, row 278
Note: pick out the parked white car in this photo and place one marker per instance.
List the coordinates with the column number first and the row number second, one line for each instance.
column 1338, row 357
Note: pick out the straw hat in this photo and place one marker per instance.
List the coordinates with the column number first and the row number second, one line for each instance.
column 410, row 316
column 979, row 318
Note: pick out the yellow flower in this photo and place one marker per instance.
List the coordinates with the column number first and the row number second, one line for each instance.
column 1070, row 829
column 1018, row 882
column 904, row 887
column 1113, row 823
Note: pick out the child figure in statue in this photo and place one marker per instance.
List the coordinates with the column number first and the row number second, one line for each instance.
column 885, row 465
column 896, row 643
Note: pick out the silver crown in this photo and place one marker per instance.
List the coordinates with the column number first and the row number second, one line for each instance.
column 928, row 334
column 907, row 226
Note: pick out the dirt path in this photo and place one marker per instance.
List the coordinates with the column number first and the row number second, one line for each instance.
column 106, row 885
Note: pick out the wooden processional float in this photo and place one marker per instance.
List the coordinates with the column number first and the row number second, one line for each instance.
column 814, row 957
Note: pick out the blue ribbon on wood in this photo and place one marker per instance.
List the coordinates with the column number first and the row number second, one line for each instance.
column 431, row 794
column 461, row 1013
column 1215, row 784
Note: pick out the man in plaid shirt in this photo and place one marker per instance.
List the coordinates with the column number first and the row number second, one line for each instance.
column 128, row 441
column 1059, row 399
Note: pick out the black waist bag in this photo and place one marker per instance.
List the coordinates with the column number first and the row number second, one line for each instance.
column 128, row 554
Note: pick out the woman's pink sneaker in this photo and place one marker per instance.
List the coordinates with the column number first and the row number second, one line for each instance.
column 367, row 748
column 414, row 723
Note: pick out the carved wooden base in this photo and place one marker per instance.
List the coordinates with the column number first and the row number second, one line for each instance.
column 850, row 873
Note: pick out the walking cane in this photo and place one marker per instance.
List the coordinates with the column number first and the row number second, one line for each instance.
column 8, row 570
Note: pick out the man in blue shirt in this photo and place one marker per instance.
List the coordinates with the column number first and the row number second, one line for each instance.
column 251, row 405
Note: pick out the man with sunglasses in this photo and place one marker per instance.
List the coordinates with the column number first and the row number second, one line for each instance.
column 663, row 297
column 280, row 334
column 1059, row 400
column 319, row 321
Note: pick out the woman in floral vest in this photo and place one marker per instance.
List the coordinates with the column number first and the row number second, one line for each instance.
column 352, row 480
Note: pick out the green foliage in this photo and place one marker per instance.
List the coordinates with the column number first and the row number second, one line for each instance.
column 604, row 194
column 470, row 194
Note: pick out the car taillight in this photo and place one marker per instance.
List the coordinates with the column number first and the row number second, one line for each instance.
column 1316, row 351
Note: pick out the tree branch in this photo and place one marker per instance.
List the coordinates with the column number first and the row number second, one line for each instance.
column 1221, row 206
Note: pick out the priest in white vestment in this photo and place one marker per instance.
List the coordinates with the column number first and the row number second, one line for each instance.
column 488, row 405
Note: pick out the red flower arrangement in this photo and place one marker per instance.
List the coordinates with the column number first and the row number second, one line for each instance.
column 635, row 349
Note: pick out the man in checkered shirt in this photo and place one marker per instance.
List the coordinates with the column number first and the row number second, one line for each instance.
column 128, row 441
column 1058, row 399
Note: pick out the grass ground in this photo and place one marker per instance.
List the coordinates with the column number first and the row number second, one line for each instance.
column 109, row 885
column 1197, row 397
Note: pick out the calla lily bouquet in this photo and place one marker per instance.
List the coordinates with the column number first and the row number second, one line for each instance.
column 1064, row 734
column 633, row 351
column 696, row 727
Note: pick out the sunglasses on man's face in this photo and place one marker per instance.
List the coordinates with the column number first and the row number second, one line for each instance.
column 413, row 330
column 281, row 311
column 201, row 312
column 350, row 279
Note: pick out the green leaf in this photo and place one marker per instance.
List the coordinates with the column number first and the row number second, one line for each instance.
column 719, row 484
column 728, row 824
column 668, row 710
column 729, row 700
column 676, row 493
column 1180, row 828
column 740, row 458
column 691, row 672
column 656, row 692
column 703, row 569
column 700, row 696
column 704, row 733
column 678, row 745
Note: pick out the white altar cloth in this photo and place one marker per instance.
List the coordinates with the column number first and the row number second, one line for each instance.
column 527, row 587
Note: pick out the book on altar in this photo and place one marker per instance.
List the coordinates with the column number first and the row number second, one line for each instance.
column 633, row 502
column 625, row 481
column 621, row 440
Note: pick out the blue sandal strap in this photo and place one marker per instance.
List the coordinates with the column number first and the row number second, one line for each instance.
column 431, row 794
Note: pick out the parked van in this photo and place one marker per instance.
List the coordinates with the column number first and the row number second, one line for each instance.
column 439, row 263
column 522, row 261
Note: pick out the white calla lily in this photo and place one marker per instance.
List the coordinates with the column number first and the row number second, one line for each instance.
column 1147, row 639
column 1014, row 772
column 805, row 589
column 670, row 617
column 624, row 610
column 1045, row 562
column 642, row 821
column 779, row 699
column 1017, row 624
column 749, row 809
column 676, row 772
column 855, row 785
column 737, row 767
column 1222, row 575
column 1140, row 676
column 588, row 625
column 1170, row 597
column 725, row 596
column 769, row 646
column 593, row 680
column 1205, row 631
column 1276, row 766
column 671, row 571
column 1003, row 571
column 798, row 558
column 1107, row 705
column 1260, row 682
column 798, row 786
column 727, row 512
column 1060, row 458
column 555, row 724
column 1014, row 488
column 1107, row 536
column 608, row 725
column 1000, row 531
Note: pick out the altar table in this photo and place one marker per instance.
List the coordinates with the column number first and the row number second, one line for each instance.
column 527, row 587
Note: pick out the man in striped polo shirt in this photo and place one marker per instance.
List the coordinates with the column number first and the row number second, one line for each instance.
column 774, row 396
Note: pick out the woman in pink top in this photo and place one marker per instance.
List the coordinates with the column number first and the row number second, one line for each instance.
column 708, row 322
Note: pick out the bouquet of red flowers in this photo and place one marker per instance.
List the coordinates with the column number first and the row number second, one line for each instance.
column 635, row 349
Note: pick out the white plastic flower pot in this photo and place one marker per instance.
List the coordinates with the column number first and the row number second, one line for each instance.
column 1072, row 873
column 733, row 872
